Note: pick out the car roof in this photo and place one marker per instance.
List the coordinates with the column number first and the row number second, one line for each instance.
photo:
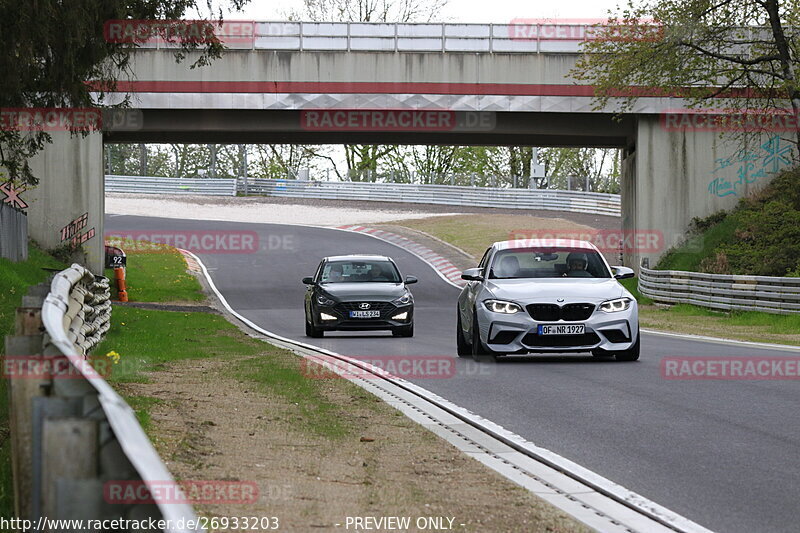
column 544, row 243
column 357, row 257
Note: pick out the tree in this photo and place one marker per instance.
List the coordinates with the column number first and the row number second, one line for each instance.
column 53, row 49
column 368, row 10
column 362, row 159
column 725, row 51
column 584, row 164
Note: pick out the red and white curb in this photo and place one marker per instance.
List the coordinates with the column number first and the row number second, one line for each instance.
column 442, row 265
column 191, row 261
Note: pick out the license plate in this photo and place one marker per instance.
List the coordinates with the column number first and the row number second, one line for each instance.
column 365, row 314
column 561, row 329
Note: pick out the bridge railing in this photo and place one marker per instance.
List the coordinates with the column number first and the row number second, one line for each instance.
column 521, row 36
column 719, row 291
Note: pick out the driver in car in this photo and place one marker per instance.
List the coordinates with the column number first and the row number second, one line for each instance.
column 576, row 265
column 376, row 274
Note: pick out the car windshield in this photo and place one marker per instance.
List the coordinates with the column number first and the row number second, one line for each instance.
column 360, row 271
column 548, row 263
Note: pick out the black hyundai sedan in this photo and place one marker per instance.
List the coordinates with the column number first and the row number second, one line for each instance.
column 359, row 293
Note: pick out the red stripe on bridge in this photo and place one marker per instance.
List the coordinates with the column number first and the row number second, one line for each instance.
column 356, row 87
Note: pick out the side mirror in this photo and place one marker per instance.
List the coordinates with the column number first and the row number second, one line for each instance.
column 621, row 272
column 309, row 281
column 472, row 274
column 410, row 279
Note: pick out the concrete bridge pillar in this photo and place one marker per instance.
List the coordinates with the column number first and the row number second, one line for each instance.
column 675, row 175
column 69, row 202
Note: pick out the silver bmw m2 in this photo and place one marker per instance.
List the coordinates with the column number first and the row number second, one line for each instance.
column 546, row 296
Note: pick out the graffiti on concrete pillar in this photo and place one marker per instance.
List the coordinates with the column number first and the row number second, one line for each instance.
column 72, row 231
column 748, row 166
column 12, row 196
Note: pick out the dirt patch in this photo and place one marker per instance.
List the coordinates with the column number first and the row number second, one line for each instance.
column 208, row 425
column 196, row 307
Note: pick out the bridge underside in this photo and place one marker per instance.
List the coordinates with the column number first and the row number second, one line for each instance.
column 468, row 128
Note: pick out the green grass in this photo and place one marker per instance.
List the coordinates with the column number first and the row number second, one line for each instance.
column 15, row 278
column 141, row 405
column 157, row 274
column 474, row 233
column 778, row 324
column 688, row 256
column 147, row 339
column 632, row 284
column 283, row 377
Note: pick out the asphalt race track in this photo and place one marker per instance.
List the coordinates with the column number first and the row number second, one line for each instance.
column 722, row 453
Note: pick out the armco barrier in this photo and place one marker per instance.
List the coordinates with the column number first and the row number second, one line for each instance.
column 547, row 199
column 718, row 291
column 151, row 185
column 71, row 433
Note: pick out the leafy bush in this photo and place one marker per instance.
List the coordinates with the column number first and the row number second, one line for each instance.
column 761, row 236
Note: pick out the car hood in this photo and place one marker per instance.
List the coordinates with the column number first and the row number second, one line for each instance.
column 375, row 291
column 546, row 290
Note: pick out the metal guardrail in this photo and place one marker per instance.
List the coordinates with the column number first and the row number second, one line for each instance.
column 71, row 432
column 718, row 291
column 547, row 199
column 156, row 185
column 13, row 233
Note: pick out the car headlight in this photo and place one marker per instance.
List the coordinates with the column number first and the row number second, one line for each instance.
column 501, row 306
column 405, row 299
column 618, row 304
column 324, row 300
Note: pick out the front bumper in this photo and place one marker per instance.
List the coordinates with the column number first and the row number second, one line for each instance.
column 518, row 333
column 342, row 322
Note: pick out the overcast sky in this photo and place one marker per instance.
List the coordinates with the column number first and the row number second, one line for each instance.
column 478, row 11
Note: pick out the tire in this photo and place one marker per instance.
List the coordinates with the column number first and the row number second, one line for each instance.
column 314, row 333
column 480, row 353
column 463, row 348
column 632, row 353
column 405, row 331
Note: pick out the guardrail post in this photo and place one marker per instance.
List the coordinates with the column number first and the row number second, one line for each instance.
column 23, row 352
column 61, row 437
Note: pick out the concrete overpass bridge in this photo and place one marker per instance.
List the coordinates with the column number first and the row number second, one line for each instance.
column 406, row 84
